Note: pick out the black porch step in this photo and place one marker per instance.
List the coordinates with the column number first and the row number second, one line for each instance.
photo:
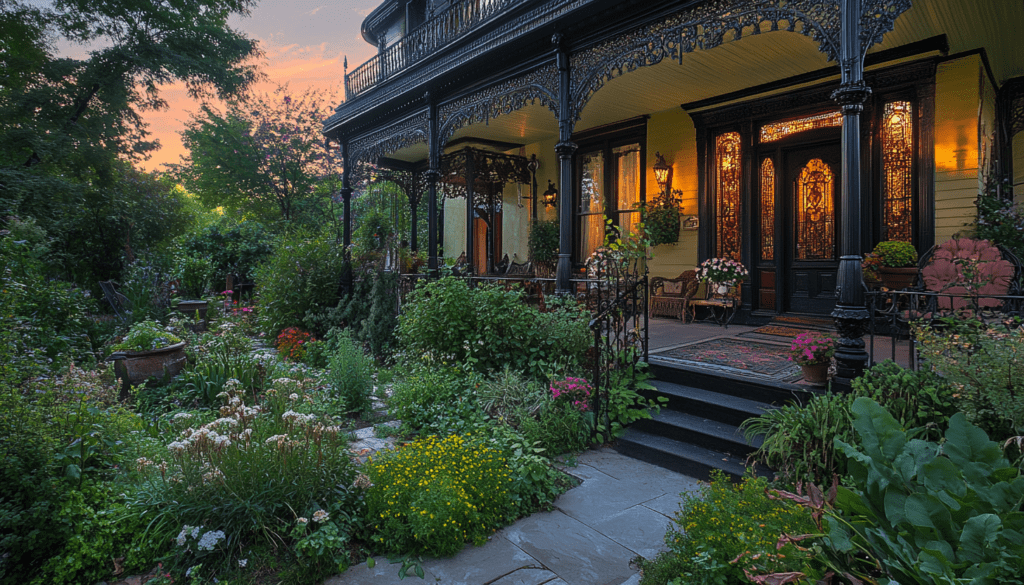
column 686, row 458
column 709, row 404
column 746, row 387
column 700, row 431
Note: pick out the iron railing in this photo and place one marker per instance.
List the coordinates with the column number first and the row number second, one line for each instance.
column 894, row 313
column 445, row 27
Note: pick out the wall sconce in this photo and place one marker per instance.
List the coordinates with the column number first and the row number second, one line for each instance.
column 550, row 196
column 662, row 173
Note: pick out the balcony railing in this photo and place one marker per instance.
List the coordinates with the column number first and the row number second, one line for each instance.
column 458, row 20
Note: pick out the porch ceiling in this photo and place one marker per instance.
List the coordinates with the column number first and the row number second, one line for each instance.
column 753, row 60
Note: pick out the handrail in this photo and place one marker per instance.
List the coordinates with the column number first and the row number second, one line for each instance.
column 456, row 21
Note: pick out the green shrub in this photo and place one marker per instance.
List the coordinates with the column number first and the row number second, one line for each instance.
column 232, row 247
column 727, row 528
column 437, row 400
column 984, row 366
column 350, row 375
column 143, row 283
column 526, row 406
column 1000, row 220
column 896, row 254
column 488, row 328
column 434, row 494
column 543, row 241
column 303, row 274
column 919, row 398
column 378, row 329
column 922, row 512
column 146, row 336
column 195, row 275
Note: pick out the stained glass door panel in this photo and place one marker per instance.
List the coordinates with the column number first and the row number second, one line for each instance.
column 812, row 247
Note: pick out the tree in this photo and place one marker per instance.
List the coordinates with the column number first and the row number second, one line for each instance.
column 266, row 153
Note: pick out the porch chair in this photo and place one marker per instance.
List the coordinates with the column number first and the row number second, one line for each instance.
column 973, row 271
column 669, row 296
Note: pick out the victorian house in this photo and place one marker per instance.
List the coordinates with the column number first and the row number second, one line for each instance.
column 796, row 132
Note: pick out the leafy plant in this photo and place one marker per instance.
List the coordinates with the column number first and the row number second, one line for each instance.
column 623, row 403
column 543, row 241
column 918, row 511
column 896, row 254
column 146, row 336
column 661, row 217
column 434, row 494
column 915, row 398
column 1000, row 220
column 430, row 397
column 350, row 375
column 725, row 531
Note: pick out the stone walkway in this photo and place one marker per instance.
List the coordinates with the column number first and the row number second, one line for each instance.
column 620, row 510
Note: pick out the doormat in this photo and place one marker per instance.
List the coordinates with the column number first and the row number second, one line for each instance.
column 779, row 331
column 804, row 321
column 737, row 356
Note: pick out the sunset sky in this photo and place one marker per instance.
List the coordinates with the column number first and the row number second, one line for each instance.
column 305, row 42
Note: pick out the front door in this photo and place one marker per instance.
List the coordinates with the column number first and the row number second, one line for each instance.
column 810, row 197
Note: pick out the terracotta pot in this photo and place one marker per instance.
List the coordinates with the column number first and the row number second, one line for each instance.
column 816, row 374
column 898, row 278
column 135, row 367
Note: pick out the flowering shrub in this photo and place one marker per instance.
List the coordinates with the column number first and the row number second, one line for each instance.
column 722, row 270
column 870, row 266
column 432, row 495
column 810, row 348
column 249, row 471
column 726, row 530
column 291, row 343
column 574, row 390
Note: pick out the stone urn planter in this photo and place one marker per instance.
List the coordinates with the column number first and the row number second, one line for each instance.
column 135, row 367
column 189, row 309
column 898, row 278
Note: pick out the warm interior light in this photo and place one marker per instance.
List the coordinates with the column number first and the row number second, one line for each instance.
column 550, row 196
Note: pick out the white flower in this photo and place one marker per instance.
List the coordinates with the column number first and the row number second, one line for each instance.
column 242, row 563
column 321, row 516
column 293, row 397
column 177, row 447
column 302, row 520
column 210, row 539
column 181, row 535
column 181, row 416
column 195, row 531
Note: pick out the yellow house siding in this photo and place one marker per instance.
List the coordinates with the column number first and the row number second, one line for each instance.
column 673, row 135
column 958, row 102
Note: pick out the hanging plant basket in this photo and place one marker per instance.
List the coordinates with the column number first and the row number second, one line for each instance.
column 661, row 218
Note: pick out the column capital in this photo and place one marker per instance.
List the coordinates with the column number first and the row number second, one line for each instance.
column 566, row 148
column 851, row 97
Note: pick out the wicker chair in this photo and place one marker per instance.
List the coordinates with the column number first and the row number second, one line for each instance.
column 669, row 296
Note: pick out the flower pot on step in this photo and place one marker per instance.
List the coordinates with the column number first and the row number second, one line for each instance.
column 816, row 374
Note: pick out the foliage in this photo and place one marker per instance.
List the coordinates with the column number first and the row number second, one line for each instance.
column 488, row 328
column 575, row 391
column 661, row 218
column 725, row 531
column 265, row 153
column 918, row 398
column 870, row 266
column 145, row 285
column 433, row 494
column 543, row 241
column 623, row 402
column 918, row 511
column 378, row 329
column 798, row 439
column 350, row 375
column 999, row 220
column 323, row 541
column 231, row 247
column 194, row 274
column 438, row 398
column 248, row 473
column 722, row 270
column 146, row 336
column 303, row 274
column 895, row 254
column 985, row 367
column 291, row 343
column 810, row 348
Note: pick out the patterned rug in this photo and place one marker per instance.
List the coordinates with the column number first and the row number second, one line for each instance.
column 736, row 356
column 778, row 330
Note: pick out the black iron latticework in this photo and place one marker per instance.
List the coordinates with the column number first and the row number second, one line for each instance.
column 616, row 295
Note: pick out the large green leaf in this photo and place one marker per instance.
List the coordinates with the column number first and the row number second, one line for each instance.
column 978, row 535
column 880, row 434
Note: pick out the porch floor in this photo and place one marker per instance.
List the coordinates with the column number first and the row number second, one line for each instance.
column 742, row 350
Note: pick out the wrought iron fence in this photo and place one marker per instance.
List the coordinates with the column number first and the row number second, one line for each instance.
column 445, row 27
column 894, row 314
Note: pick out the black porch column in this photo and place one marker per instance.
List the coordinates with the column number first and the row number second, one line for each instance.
column 346, row 198
column 565, row 150
column 850, row 315
column 433, row 173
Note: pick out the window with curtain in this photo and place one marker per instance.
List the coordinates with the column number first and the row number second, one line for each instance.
column 591, row 210
column 628, row 173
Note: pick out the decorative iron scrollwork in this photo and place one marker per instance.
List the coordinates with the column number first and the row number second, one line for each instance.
column 388, row 140
column 501, row 99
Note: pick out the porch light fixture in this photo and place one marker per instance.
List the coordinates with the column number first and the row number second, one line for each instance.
column 550, row 196
column 662, row 172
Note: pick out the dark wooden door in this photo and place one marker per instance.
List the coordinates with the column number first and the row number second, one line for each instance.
column 811, row 199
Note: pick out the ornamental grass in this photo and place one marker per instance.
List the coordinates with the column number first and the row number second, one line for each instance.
column 434, row 494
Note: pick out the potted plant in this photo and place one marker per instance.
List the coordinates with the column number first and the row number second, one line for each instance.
column 813, row 353
column 723, row 272
column 148, row 351
column 898, row 268
column 661, row 218
column 543, row 244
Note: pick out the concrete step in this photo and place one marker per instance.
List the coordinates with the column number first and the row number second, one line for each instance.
column 700, row 431
column 686, row 458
